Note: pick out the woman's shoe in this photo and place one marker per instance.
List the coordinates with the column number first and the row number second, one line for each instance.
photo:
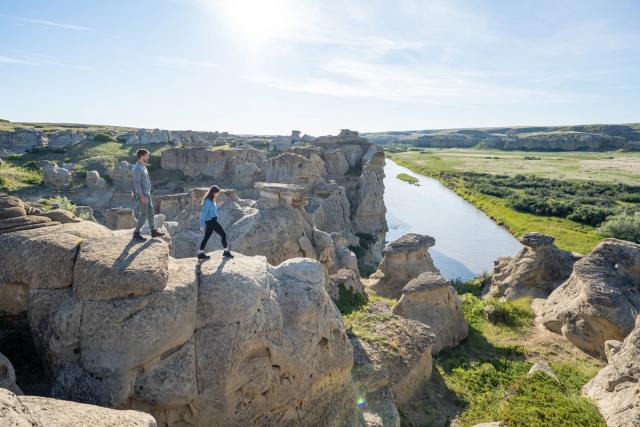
column 203, row 256
column 227, row 254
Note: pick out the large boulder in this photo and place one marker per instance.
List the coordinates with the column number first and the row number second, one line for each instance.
column 601, row 298
column 536, row 271
column 431, row 299
column 120, row 219
column 44, row 257
column 616, row 388
column 119, row 267
column 404, row 259
column 34, row 411
column 62, row 216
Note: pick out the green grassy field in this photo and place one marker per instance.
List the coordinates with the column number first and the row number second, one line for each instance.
column 569, row 234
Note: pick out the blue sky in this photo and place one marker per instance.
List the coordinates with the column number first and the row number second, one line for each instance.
column 269, row 66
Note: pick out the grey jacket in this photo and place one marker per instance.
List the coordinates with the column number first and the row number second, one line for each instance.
column 141, row 181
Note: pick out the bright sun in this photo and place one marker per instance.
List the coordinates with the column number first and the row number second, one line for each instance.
column 261, row 21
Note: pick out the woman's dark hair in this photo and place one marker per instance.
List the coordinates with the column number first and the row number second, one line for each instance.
column 141, row 152
column 212, row 191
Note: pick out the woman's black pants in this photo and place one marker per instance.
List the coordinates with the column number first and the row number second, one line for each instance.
column 211, row 226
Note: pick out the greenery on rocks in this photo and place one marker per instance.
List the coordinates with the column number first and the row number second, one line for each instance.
column 59, row 202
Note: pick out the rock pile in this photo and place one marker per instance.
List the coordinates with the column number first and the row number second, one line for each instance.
column 535, row 272
column 601, row 298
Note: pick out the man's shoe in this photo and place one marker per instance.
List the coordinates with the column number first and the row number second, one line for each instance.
column 138, row 236
column 204, row 256
column 227, row 254
column 156, row 233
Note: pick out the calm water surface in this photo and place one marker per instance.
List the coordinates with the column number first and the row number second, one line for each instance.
column 467, row 241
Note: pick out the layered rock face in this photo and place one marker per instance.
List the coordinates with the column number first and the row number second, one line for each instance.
column 430, row 299
column 23, row 139
column 387, row 376
column 228, row 342
column 601, row 298
column 616, row 388
column 240, row 167
column 535, row 272
column 404, row 259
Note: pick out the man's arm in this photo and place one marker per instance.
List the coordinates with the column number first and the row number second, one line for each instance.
column 137, row 179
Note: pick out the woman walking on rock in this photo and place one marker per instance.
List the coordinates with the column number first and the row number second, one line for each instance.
column 209, row 222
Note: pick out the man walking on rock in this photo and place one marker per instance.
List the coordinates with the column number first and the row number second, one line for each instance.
column 142, row 190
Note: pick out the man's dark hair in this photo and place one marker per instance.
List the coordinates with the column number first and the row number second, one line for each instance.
column 141, row 152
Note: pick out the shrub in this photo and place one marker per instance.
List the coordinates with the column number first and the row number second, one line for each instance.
column 348, row 300
column 590, row 215
column 59, row 202
column 366, row 270
column 407, row 178
column 625, row 226
column 103, row 137
column 358, row 250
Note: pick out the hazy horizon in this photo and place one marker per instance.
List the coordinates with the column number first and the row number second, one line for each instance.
column 256, row 67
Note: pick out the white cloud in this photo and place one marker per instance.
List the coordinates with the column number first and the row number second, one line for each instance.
column 53, row 24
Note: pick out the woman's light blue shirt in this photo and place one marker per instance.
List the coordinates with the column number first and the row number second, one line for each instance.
column 209, row 211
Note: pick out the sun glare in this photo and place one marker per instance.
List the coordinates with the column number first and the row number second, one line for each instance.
column 260, row 21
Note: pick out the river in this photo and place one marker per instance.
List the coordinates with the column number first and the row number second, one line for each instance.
column 467, row 241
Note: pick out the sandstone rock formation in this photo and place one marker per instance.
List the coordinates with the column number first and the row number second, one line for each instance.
column 121, row 324
column 55, row 176
column 536, row 271
column 282, row 142
column 616, row 388
column 34, row 411
column 23, row 139
column 342, row 176
column 240, row 167
column 431, row 299
column 148, row 136
column 64, row 139
column 94, row 181
column 16, row 215
column 404, row 259
column 390, row 375
column 347, row 280
column 601, row 298
column 120, row 219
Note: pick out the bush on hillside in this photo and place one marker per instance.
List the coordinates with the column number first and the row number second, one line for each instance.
column 103, row 137
column 625, row 226
column 590, row 215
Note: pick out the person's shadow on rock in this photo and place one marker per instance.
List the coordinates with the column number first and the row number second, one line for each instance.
column 126, row 257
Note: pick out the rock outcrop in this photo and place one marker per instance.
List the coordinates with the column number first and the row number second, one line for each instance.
column 23, row 139
column 34, row 411
column 238, row 167
column 390, row 368
column 404, row 259
column 431, row 299
column 601, row 298
column 536, row 271
column 616, row 388
column 121, row 324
